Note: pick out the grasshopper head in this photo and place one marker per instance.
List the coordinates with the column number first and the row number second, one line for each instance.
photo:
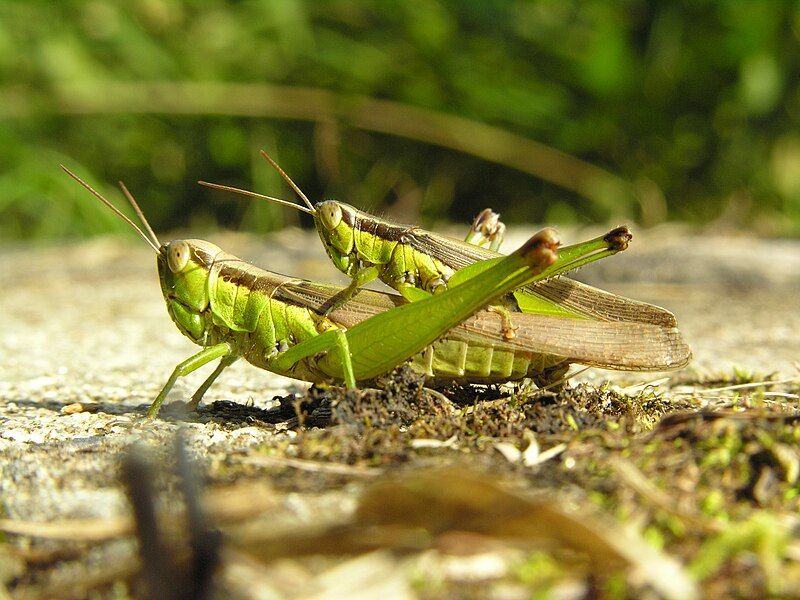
column 335, row 224
column 183, row 270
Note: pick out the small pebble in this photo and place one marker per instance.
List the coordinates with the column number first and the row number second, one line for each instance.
column 79, row 407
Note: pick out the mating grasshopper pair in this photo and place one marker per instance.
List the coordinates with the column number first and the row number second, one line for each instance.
column 538, row 325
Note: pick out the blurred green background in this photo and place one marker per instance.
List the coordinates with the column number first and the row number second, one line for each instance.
column 548, row 111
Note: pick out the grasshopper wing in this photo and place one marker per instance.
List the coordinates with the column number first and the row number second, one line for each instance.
column 364, row 304
column 607, row 344
column 560, row 291
column 614, row 345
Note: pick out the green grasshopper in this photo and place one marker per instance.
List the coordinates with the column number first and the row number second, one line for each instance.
column 236, row 310
column 418, row 263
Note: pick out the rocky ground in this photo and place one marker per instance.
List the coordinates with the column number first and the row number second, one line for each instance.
column 622, row 484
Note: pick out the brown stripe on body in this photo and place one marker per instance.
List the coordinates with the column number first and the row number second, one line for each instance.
column 204, row 257
column 244, row 279
column 244, row 274
column 350, row 217
column 384, row 230
column 367, row 226
column 391, row 233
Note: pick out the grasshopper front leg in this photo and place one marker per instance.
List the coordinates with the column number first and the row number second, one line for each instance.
column 198, row 395
column 205, row 356
column 361, row 278
column 509, row 331
column 487, row 228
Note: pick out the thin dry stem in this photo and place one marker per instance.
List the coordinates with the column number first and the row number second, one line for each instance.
column 319, row 105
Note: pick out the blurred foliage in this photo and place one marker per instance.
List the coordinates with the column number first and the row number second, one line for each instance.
column 692, row 104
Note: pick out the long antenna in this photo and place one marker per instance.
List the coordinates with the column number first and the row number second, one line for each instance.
column 235, row 190
column 288, row 179
column 139, row 213
column 119, row 213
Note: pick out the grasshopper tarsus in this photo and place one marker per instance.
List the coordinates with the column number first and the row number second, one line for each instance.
column 618, row 238
column 509, row 329
column 487, row 229
column 542, row 247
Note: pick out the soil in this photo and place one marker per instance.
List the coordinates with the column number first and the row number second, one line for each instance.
column 500, row 492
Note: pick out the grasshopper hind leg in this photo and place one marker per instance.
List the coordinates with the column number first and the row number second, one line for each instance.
column 334, row 339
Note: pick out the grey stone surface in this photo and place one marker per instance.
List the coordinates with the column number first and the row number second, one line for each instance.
column 86, row 323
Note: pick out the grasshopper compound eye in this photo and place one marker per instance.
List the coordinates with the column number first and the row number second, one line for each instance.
column 177, row 255
column 330, row 213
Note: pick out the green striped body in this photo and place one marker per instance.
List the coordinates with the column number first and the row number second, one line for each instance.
column 412, row 267
column 450, row 359
column 406, row 257
column 237, row 307
column 221, row 298
column 359, row 240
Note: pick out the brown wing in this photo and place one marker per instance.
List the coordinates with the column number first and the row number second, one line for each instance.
column 363, row 305
column 606, row 344
column 583, row 298
column 611, row 345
